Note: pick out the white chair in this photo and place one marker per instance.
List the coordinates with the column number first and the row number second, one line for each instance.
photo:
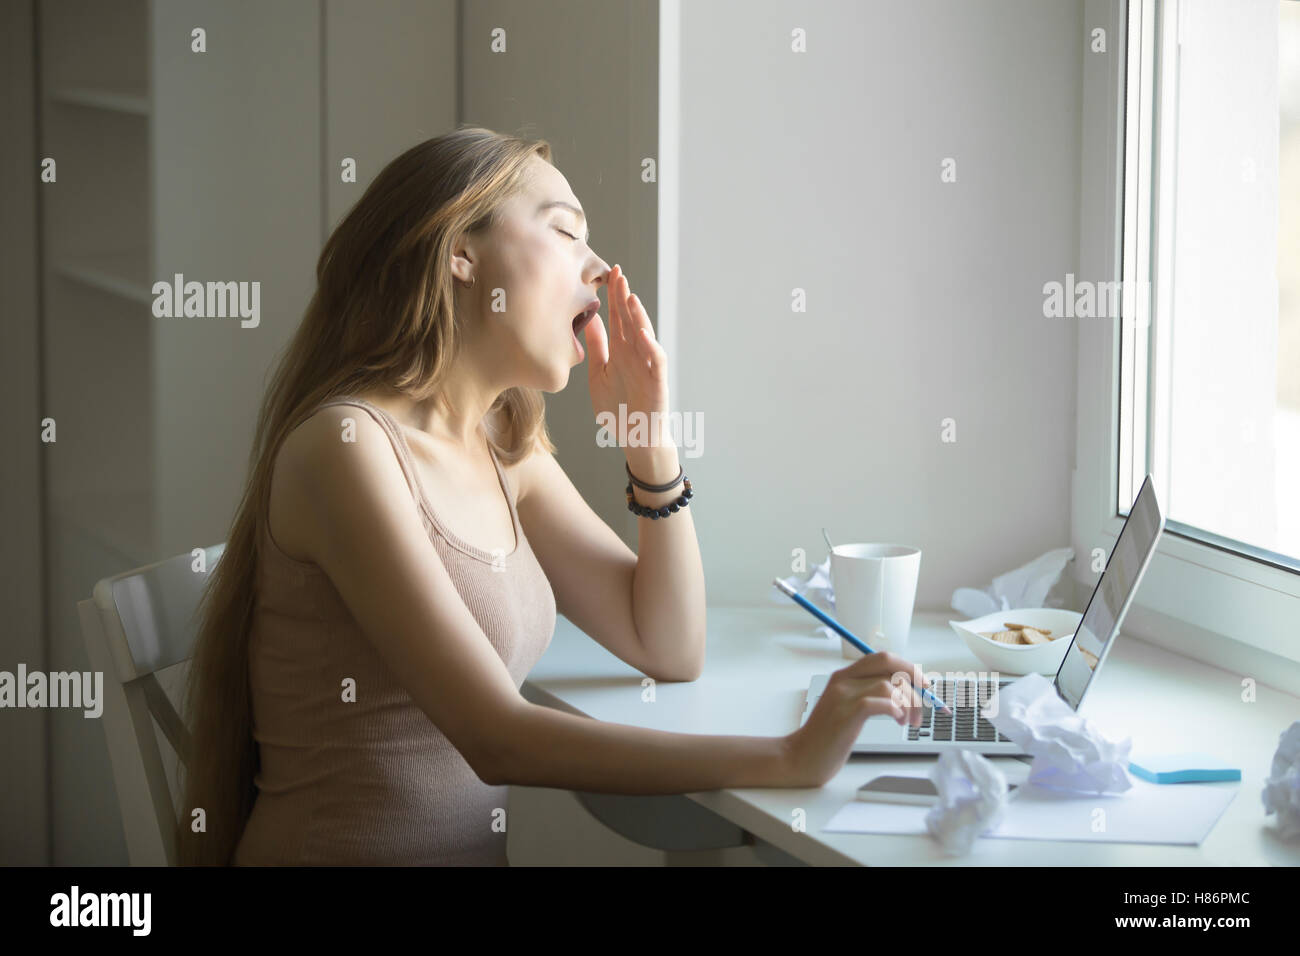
column 137, row 624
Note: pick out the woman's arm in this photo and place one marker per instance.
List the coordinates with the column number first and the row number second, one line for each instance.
column 668, row 598
column 648, row 611
column 544, row 747
column 648, row 607
column 369, row 540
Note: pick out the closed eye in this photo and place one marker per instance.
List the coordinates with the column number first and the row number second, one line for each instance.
column 569, row 234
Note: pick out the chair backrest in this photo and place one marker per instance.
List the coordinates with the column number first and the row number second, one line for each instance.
column 137, row 624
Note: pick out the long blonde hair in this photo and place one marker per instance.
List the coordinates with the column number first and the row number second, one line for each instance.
column 382, row 315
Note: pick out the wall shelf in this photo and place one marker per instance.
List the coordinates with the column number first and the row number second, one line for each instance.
column 102, row 100
column 116, row 273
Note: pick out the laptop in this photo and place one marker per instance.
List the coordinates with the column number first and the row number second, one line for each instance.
column 965, row 729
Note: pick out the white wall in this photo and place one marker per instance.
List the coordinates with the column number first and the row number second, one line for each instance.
column 390, row 82
column 821, row 171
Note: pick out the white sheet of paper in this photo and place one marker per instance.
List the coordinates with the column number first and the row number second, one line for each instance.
column 1179, row 813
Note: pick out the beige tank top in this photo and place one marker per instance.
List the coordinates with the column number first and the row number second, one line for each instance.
column 375, row 782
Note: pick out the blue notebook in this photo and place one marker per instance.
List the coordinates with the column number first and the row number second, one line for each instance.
column 1181, row 768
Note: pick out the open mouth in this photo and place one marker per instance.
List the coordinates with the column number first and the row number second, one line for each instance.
column 586, row 315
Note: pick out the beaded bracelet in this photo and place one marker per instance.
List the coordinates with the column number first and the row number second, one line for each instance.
column 664, row 511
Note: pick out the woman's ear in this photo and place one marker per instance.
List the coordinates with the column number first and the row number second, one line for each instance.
column 461, row 268
column 463, row 256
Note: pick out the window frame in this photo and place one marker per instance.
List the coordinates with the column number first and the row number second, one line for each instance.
column 1195, row 594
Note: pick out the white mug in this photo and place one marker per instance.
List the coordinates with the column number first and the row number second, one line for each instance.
column 875, row 590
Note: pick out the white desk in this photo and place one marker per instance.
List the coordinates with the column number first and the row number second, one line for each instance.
column 758, row 664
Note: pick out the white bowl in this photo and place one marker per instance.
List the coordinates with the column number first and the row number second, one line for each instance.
column 1021, row 658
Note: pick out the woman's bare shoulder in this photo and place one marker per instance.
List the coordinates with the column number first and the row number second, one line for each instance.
column 314, row 448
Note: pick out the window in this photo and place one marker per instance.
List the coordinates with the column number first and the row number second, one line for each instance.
column 1209, row 397
column 1190, row 203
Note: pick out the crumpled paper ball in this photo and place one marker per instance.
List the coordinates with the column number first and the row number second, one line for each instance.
column 972, row 798
column 1281, row 794
column 1069, row 753
column 1025, row 586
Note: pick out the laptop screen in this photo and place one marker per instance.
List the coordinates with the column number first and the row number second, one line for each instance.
column 1112, row 596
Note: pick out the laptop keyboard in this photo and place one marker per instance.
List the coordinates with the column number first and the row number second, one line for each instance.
column 965, row 722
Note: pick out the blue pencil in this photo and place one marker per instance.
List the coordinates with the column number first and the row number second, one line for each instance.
column 847, row 634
